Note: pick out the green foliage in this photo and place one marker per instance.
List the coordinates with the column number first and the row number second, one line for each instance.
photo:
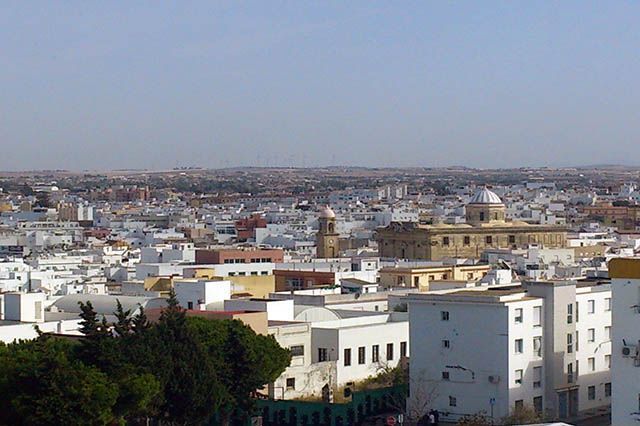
column 179, row 370
column 42, row 383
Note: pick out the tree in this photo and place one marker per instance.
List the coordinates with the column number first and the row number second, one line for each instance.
column 42, row 383
column 522, row 416
column 233, row 346
column 139, row 390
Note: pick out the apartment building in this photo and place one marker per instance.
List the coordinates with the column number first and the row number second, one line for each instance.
column 545, row 345
column 625, row 369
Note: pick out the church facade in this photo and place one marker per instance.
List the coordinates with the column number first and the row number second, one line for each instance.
column 485, row 227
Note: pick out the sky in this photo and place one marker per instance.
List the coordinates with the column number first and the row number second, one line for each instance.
column 89, row 85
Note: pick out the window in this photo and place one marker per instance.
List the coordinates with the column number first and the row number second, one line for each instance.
column 445, row 241
column 297, row 350
column 537, row 404
column 444, row 315
column 518, row 346
column 375, row 353
column 446, row 344
column 445, row 375
column 512, row 239
column 607, row 332
column 591, row 306
column 591, row 391
column 361, row 355
column 322, row 354
column 607, row 361
column 466, row 240
column 291, row 383
column 607, row 304
column 453, row 401
column 347, row 357
column 577, row 312
column 189, row 305
column 489, row 239
column 518, row 316
column 519, row 404
column 518, row 377
column 537, row 377
column 537, row 316
column 570, row 373
column 38, row 309
column 569, row 313
column 482, row 216
column 403, row 349
column 591, row 335
column 537, row 346
column 416, row 281
column 389, row 351
column 569, row 343
column 607, row 390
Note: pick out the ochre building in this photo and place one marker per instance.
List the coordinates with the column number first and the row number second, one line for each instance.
column 485, row 227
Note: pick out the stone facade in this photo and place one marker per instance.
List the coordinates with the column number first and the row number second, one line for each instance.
column 436, row 242
column 486, row 228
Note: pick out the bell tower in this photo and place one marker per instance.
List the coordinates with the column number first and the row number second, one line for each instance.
column 327, row 237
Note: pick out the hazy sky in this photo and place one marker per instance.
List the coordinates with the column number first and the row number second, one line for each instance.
column 108, row 85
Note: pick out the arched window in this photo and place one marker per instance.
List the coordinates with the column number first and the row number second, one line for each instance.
column 331, row 227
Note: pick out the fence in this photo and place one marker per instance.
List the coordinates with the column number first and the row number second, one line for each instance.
column 362, row 405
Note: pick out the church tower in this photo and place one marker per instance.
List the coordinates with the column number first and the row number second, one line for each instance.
column 327, row 237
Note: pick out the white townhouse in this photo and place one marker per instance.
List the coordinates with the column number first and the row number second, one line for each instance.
column 545, row 345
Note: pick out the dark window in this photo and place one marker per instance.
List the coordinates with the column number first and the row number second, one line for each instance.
column 297, row 350
column 291, row 383
column 453, row 401
column 445, row 375
column 488, row 239
column 512, row 239
column 403, row 349
column 189, row 305
column 537, row 404
column 607, row 389
column 347, row 357
column 389, row 351
column 361, row 355
column 322, row 354
column 591, row 391
column 444, row 315
column 445, row 241
column 519, row 404
column 467, row 240
column 446, row 344
column 481, row 215
column 375, row 353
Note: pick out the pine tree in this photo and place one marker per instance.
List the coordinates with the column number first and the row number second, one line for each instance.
column 123, row 324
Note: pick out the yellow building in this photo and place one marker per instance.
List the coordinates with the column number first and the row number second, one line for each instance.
column 258, row 286
column 486, row 227
column 421, row 276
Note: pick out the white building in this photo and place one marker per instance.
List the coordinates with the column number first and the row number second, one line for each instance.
column 544, row 345
column 625, row 369
column 361, row 345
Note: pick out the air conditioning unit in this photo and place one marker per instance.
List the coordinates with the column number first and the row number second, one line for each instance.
column 629, row 351
column 494, row 379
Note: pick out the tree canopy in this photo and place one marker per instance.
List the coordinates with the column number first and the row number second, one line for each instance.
column 180, row 370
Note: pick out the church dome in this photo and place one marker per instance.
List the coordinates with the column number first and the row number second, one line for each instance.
column 327, row 213
column 485, row 196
